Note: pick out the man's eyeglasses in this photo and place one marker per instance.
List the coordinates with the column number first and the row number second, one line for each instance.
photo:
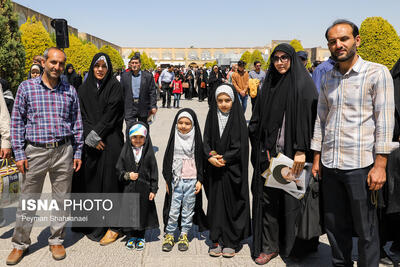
column 283, row 59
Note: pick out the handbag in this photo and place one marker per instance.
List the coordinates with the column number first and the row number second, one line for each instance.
column 309, row 225
column 10, row 182
column 185, row 85
column 202, row 85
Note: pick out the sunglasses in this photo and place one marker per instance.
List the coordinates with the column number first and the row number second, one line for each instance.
column 283, row 59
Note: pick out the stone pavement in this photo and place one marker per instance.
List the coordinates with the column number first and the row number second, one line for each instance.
column 83, row 252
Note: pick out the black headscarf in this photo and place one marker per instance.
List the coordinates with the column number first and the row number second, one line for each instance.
column 199, row 216
column 293, row 95
column 396, row 80
column 214, row 82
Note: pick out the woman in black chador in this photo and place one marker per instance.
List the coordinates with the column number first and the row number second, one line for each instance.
column 101, row 105
column 227, row 150
column 282, row 121
column 138, row 173
column 214, row 80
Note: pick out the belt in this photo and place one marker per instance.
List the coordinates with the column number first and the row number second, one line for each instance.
column 136, row 100
column 50, row 145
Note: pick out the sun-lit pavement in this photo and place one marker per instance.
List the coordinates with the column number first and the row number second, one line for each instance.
column 83, row 252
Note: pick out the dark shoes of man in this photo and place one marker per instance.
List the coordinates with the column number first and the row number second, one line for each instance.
column 109, row 238
column 265, row 258
column 58, row 252
column 16, row 256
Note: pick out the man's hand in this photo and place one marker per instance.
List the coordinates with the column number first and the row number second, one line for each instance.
column 77, row 164
column 22, row 165
column 298, row 164
column 198, row 188
column 166, row 185
column 243, row 93
column 377, row 175
column 151, row 196
column 316, row 167
column 133, row 176
column 100, row 145
column 5, row 153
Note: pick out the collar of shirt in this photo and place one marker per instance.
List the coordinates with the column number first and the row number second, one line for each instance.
column 57, row 87
column 355, row 68
column 138, row 75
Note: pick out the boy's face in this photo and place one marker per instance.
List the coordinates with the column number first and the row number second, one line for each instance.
column 138, row 140
column 224, row 102
column 184, row 125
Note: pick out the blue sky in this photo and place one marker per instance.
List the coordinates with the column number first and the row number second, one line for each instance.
column 212, row 23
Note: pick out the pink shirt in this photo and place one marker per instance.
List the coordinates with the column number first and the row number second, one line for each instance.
column 189, row 170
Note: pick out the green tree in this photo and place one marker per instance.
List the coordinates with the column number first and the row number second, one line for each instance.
column 12, row 54
column 77, row 54
column 296, row 44
column 146, row 61
column 255, row 56
column 115, row 57
column 35, row 39
column 246, row 57
column 210, row 64
column 379, row 42
column 90, row 51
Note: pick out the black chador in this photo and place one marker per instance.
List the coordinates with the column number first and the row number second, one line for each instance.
column 286, row 110
column 199, row 217
column 228, row 211
column 140, row 211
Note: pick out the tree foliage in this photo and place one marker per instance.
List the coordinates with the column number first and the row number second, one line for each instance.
column 12, row 54
column 115, row 56
column 35, row 40
column 379, row 42
column 246, row 57
column 147, row 62
column 211, row 63
column 296, row 44
column 78, row 54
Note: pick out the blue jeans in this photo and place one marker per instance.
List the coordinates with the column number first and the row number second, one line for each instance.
column 183, row 194
column 176, row 99
column 243, row 101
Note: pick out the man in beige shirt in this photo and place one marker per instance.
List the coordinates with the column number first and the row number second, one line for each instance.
column 240, row 81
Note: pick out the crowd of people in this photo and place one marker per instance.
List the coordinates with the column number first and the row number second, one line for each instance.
column 343, row 119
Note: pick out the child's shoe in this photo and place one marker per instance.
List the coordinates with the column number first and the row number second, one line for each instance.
column 140, row 244
column 183, row 243
column 131, row 243
column 168, row 243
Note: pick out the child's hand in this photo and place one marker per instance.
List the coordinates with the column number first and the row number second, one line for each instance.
column 134, row 176
column 198, row 188
column 151, row 196
column 166, row 185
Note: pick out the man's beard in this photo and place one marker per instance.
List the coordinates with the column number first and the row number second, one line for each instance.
column 351, row 52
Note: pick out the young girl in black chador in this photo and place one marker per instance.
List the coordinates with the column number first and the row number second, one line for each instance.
column 183, row 172
column 137, row 170
column 226, row 145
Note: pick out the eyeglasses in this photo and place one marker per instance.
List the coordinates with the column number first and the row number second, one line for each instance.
column 283, row 59
column 258, row 66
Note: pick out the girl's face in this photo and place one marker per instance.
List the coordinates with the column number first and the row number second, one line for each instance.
column 100, row 70
column 224, row 102
column 184, row 125
column 138, row 140
column 35, row 73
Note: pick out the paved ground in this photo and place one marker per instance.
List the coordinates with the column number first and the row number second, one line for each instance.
column 83, row 252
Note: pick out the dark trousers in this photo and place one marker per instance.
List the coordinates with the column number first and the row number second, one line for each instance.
column 136, row 233
column 270, row 207
column 253, row 102
column 166, row 94
column 348, row 207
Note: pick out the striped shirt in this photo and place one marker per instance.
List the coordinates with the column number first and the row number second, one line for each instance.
column 355, row 117
column 44, row 115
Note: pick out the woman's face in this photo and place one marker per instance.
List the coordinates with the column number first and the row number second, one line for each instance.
column 184, row 125
column 224, row 102
column 138, row 140
column 100, row 70
column 215, row 69
column 281, row 62
column 35, row 73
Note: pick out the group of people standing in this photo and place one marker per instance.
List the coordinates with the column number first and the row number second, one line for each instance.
column 346, row 131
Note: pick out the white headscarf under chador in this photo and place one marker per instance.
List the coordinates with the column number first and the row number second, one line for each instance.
column 223, row 117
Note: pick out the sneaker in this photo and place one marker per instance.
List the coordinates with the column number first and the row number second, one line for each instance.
column 228, row 252
column 140, row 244
column 168, row 243
column 131, row 243
column 215, row 250
column 183, row 243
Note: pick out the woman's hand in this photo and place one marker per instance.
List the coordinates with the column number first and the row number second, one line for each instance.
column 298, row 164
column 215, row 161
column 100, row 145
column 198, row 188
column 152, row 196
column 134, row 176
